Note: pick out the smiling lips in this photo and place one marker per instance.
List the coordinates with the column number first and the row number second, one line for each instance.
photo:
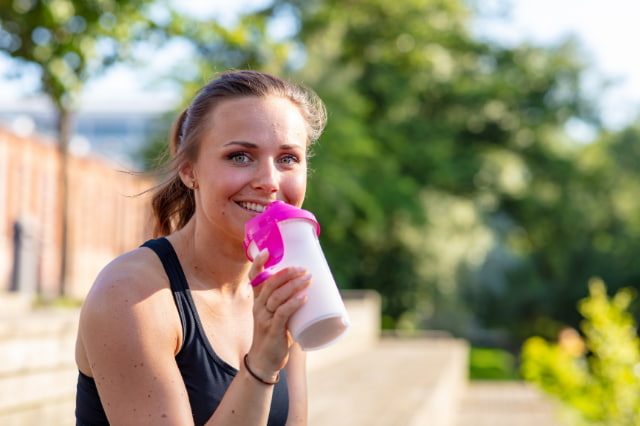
column 255, row 207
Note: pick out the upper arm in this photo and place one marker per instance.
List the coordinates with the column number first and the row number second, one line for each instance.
column 296, row 370
column 129, row 329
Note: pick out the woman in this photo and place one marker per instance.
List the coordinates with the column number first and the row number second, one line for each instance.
column 172, row 333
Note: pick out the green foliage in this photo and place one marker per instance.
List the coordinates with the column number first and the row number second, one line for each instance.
column 446, row 179
column 444, row 162
column 216, row 47
column 72, row 41
column 492, row 364
column 598, row 378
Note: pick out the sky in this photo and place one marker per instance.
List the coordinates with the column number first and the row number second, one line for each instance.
column 609, row 32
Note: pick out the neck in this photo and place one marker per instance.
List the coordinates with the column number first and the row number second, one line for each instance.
column 209, row 262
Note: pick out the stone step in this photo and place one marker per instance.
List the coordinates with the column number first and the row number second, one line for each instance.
column 37, row 368
column 406, row 382
column 14, row 303
column 505, row 404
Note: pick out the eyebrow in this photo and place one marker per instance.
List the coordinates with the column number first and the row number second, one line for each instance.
column 251, row 145
column 241, row 143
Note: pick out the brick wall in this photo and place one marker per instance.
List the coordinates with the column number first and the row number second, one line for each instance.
column 105, row 216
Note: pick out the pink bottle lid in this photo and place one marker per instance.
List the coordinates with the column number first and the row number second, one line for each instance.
column 263, row 230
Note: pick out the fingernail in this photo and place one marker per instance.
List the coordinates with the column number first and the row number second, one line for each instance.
column 305, row 277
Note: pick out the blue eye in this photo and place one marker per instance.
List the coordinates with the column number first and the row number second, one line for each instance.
column 238, row 157
column 289, row 159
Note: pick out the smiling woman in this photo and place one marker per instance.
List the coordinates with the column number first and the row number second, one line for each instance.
column 172, row 332
column 173, row 204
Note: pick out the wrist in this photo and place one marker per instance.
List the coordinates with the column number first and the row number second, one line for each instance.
column 260, row 377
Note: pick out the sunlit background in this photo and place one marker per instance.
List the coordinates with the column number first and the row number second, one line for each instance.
column 608, row 33
column 479, row 171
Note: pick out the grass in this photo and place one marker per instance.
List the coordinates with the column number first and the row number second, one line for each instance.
column 492, row 364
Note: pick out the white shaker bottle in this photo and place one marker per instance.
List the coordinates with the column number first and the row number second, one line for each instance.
column 290, row 235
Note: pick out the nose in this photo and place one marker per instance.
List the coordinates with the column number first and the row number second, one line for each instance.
column 267, row 178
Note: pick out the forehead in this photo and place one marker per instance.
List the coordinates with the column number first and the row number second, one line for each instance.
column 273, row 113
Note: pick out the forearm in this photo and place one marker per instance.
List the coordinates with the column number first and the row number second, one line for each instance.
column 247, row 401
column 296, row 370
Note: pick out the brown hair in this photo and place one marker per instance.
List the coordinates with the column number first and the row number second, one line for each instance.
column 173, row 203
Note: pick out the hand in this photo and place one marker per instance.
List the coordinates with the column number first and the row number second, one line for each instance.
column 275, row 301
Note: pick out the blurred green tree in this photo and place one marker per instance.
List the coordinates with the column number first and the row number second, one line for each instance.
column 245, row 44
column 430, row 130
column 446, row 177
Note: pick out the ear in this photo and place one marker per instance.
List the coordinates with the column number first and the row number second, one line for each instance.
column 188, row 176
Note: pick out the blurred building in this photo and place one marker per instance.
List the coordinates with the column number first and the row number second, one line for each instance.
column 114, row 130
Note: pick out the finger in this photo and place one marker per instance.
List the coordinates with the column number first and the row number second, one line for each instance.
column 284, row 312
column 278, row 279
column 283, row 293
column 263, row 291
column 258, row 263
column 260, row 278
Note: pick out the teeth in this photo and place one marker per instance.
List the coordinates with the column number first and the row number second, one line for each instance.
column 253, row 206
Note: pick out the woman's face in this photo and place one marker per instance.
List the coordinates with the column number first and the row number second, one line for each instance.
column 253, row 153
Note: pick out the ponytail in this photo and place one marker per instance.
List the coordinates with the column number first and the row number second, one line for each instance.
column 172, row 203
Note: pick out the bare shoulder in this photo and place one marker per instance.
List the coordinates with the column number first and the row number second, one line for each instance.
column 132, row 278
column 133, row 274
column 128, row 336
column 130, row 301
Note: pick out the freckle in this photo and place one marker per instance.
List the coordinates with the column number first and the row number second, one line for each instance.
column 233, row 411
column 163, row 416
column 142, row 364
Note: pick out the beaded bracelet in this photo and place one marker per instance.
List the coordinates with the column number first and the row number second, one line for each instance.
column 255, row 376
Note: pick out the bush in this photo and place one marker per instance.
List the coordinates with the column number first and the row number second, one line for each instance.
column 596, row 375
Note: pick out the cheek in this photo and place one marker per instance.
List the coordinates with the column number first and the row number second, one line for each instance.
column 295, row 189
column 229, row 180
column 217, row 188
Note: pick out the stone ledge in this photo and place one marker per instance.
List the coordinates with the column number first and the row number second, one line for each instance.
column 396, row 382
column 496, row 403
column 39, row 323
column 53, row 412
column 363, row 308
column 36, row 388
column 37, row 367
column 12, row 304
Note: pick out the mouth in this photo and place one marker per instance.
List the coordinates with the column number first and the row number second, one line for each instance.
column 254, row 207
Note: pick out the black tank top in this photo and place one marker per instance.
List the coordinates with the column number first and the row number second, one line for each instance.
column 206, row 376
